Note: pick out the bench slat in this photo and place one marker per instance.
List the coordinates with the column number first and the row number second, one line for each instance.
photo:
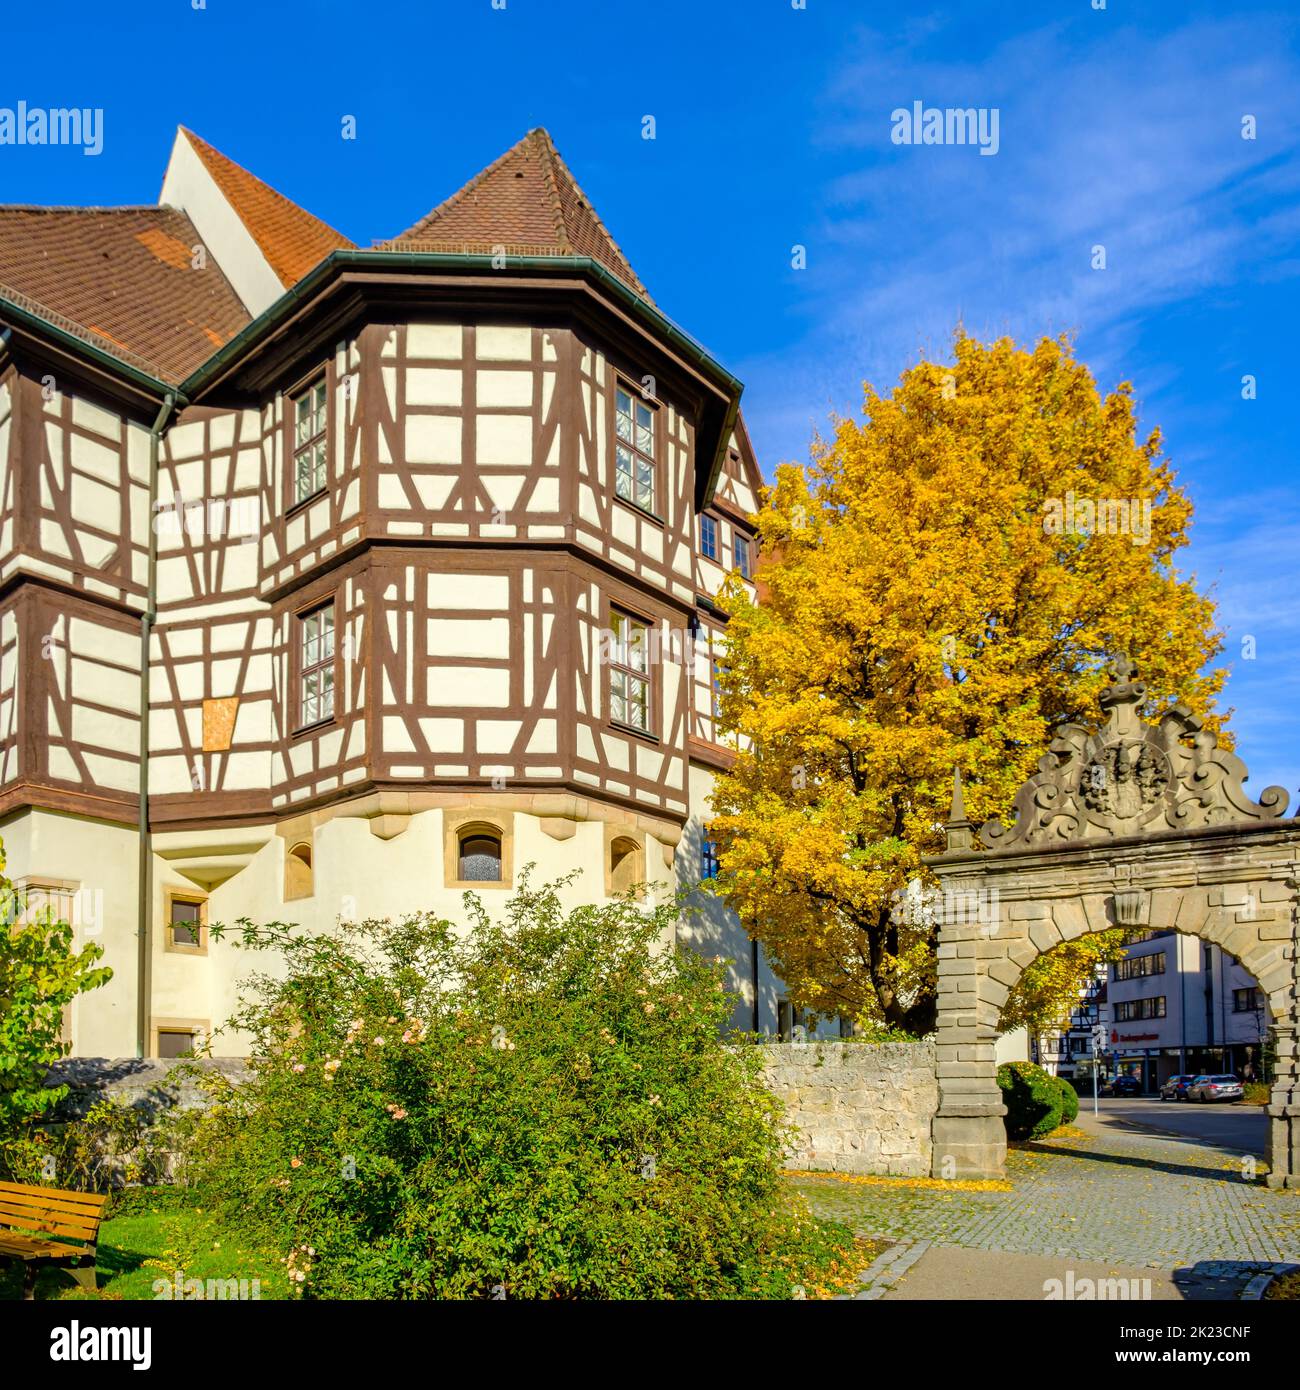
column 26, row 1194
column 27, row 1213
column 26, row 1220
column 15, row 1203
column 42, row 1249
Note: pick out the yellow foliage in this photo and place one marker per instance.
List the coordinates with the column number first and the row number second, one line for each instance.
column 1049, row 988
column 928, row 1184
column 922, row 610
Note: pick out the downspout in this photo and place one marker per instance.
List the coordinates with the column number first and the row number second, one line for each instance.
column 145, row 871
column 757, row 1014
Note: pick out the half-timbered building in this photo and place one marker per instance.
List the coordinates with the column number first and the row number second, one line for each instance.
column 335, row 581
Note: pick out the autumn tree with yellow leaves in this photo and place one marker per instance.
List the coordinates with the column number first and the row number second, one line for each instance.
column 942, row 585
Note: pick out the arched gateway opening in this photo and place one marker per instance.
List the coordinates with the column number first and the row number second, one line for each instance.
column 1173, row 1005
column 1133, row 824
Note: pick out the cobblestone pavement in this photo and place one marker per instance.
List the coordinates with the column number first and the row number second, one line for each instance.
column 1139, row 1200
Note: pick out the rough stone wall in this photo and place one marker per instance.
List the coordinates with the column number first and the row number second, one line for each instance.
column 857, row 1107
column 144, row 1083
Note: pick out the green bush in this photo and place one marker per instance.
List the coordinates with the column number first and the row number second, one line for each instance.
column 1033, row 1100
column 541, row 1106
column 1069, row 1102
column 41, row 972
column 114, row 1144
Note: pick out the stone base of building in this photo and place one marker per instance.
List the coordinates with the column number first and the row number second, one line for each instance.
column 969, row 1142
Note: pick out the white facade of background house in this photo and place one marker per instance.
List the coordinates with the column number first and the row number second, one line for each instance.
column 1195, row 1010
column 1175, row 1005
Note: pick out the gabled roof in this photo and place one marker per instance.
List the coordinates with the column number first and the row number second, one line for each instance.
column 122, row 280
column 291, row 239
column 527, row 202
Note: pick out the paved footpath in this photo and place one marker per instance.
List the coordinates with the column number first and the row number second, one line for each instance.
column 1101, row 1202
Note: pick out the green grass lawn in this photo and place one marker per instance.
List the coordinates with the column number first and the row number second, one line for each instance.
column 150, row 1233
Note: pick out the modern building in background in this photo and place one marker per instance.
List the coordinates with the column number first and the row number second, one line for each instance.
column 1174, row 1005
column 1178, row 1004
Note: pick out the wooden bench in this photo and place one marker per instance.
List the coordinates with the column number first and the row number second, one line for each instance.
column 47, row 1225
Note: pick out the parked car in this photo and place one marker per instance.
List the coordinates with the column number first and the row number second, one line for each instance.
column 1122, row 1086
column 1207, row 1088
column 1176, row 1088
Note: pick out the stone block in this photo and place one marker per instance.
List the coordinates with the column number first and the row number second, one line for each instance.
column 1044, row 935
column 1023, row 953
column 994, row 993
column 1004, row 972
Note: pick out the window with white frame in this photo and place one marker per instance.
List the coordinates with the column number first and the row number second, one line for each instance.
column 634, row 449
column 629, row 672
column 316, row 666
column 310, row 460
column 744, row 558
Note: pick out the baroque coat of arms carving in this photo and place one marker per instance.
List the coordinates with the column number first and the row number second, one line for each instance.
column 1130, row 776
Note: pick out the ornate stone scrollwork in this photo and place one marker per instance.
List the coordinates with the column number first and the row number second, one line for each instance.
column 1129, row 777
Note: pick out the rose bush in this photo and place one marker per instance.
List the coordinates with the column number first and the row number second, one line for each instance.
column 543, row 1105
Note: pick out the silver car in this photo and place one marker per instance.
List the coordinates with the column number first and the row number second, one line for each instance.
column 1207, row 1088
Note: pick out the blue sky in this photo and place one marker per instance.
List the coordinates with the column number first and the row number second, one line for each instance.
column 1119, row 127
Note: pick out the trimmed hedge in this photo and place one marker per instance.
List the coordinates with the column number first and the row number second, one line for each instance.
column 1069, row 1102
column 1033, row 1099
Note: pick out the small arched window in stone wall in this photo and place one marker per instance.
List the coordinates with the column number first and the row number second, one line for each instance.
column 298, row 878
column 480, row 857
column 625, row 869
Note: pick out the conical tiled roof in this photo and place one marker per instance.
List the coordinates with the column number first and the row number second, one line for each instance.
column 291, row 239
column 526, row 201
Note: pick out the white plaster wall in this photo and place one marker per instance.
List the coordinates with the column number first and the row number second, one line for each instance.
column 1013, row 1046
column 101, row 859
column 358, row 876
column 715, row 930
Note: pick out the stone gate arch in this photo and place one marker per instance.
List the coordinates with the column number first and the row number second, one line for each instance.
column 1132, row 824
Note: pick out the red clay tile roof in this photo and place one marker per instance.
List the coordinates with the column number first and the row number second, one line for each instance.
column 528, row 202
column 121, row 279
column 291, row 239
